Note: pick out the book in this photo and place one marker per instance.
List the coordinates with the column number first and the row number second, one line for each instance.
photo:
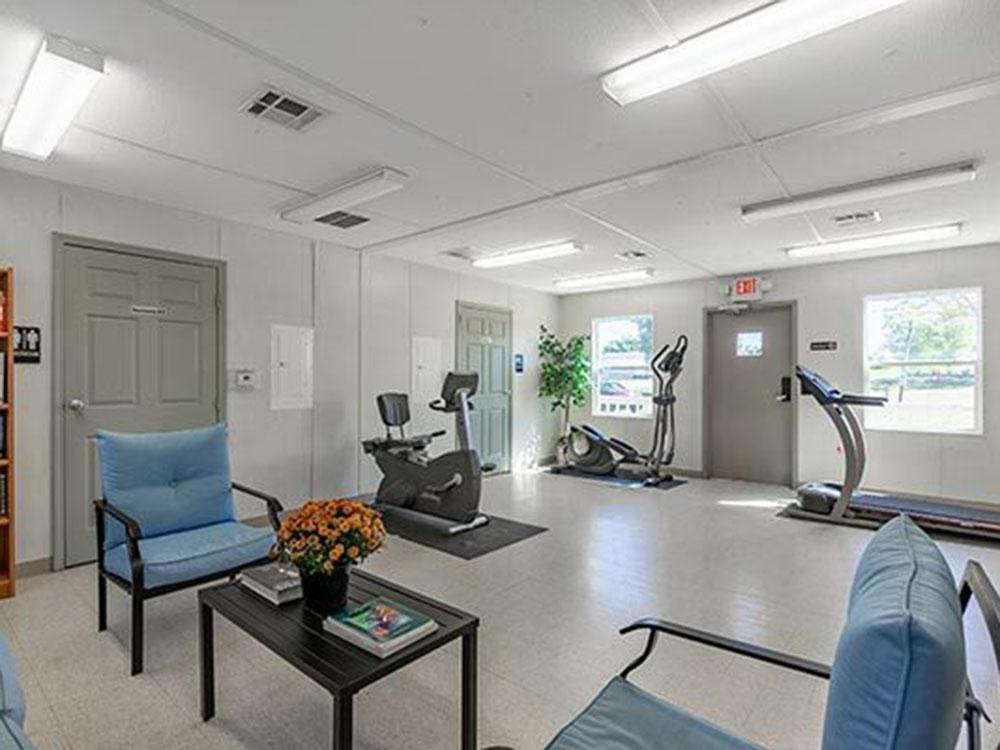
column 3, row 493
column 380, row 626
column 278, row 584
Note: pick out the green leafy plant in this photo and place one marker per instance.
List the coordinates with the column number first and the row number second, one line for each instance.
column 565, row 378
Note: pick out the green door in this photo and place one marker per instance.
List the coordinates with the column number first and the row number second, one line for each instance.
column 484, row 346
column 140, row 347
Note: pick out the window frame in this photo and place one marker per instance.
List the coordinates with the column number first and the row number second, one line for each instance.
column 595, row 384
column 978, row 365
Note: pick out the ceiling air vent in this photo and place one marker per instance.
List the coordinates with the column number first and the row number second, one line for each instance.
column 630, row 255
column 857, row 218
column 281, row 108
column 342, row 219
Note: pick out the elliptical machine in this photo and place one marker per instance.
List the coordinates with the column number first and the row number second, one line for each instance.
column 443, row 491
column 591, row 451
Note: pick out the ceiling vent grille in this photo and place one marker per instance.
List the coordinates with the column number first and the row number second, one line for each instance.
column 857, row 218
column 630, row 255
column 281, row 108
column 342, row 219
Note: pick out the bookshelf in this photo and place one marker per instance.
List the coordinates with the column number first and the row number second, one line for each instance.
column 7, row 437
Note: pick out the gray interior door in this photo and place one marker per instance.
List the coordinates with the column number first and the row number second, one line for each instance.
column 749, row 395
column 483, row 346
column 140, row 353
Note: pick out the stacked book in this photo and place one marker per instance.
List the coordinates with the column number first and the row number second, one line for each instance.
column 278, row 584
column 381, row 626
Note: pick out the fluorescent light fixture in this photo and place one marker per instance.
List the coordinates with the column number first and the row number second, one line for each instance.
column 354, row 192
column 758, row 33
column 862, row 192
column 877, row 241
column 604, row 279
column 59, row 82
column 527, row 255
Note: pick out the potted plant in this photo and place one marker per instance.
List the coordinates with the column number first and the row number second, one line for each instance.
column 565, row 378
column 323, row 539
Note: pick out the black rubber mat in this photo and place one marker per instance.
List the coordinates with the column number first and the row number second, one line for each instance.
column 612, row 479
column 497, row 534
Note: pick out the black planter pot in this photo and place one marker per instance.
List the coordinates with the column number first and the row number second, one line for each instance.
column 325, row 594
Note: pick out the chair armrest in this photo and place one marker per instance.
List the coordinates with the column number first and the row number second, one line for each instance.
column 977, row 585
column 274, row 506
column 655, row 626
column 133, row 531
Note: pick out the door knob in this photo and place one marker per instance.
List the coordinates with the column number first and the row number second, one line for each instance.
column 76, row 405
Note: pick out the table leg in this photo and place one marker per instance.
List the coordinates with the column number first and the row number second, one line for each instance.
column 343, row 721
column 206, row 650
column 469, row 690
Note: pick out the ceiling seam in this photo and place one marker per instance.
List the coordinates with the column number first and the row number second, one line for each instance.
column 734, row 121
column 190, row 160
column 400, row 122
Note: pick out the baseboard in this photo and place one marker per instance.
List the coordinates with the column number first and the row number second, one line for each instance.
column 33, row 567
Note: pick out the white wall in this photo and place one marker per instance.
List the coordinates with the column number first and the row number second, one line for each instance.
column 272, row 278
column 830, row 299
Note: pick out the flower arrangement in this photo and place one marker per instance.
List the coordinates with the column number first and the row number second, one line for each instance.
column 324, row 536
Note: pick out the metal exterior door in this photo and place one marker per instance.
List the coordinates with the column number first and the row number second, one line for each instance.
column 484, row 346
column 748, row 400
column 140, row 353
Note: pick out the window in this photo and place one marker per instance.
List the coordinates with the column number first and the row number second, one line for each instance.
column 623, row 382
column 750, row 344
column 923, row 351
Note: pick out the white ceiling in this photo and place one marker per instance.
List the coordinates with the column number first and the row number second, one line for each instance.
column 496, row 112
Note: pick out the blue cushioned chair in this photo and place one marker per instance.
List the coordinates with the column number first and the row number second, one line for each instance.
column 898, row 680
column 167, row 520
column 12, row 708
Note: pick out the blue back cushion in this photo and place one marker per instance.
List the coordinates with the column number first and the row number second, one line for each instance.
column 167, row 481
column 11, row 695
column 899, row 674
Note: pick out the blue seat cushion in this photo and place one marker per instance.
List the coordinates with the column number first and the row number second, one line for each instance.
column 899, row 674
column 167, row 481
column 196, row 553
column 625, row 717
column 11, row 695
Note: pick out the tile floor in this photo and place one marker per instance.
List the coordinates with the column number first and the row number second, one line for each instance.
column 711, row 554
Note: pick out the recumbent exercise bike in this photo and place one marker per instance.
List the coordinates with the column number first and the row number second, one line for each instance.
column 443, row 491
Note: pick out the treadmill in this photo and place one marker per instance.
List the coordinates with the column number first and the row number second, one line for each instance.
column 844, row 503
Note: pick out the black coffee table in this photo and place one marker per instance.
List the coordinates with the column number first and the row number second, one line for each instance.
column 296, row 634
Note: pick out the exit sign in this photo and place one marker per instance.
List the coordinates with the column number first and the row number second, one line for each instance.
column 748, row 288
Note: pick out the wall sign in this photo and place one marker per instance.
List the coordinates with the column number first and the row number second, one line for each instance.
column 519, row 363
column 822, row 346
column 27, row 345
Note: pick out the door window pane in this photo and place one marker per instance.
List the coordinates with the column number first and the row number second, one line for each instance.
column 750, row 344
column 623, row 381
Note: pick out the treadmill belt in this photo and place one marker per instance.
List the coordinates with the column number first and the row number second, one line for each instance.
column 957, row 514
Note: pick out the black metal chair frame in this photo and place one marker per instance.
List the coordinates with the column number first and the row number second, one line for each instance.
column 975, row 585
column 136, row 588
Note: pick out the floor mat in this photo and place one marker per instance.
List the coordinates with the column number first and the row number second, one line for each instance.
column 612, row 479
column 497, row 534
